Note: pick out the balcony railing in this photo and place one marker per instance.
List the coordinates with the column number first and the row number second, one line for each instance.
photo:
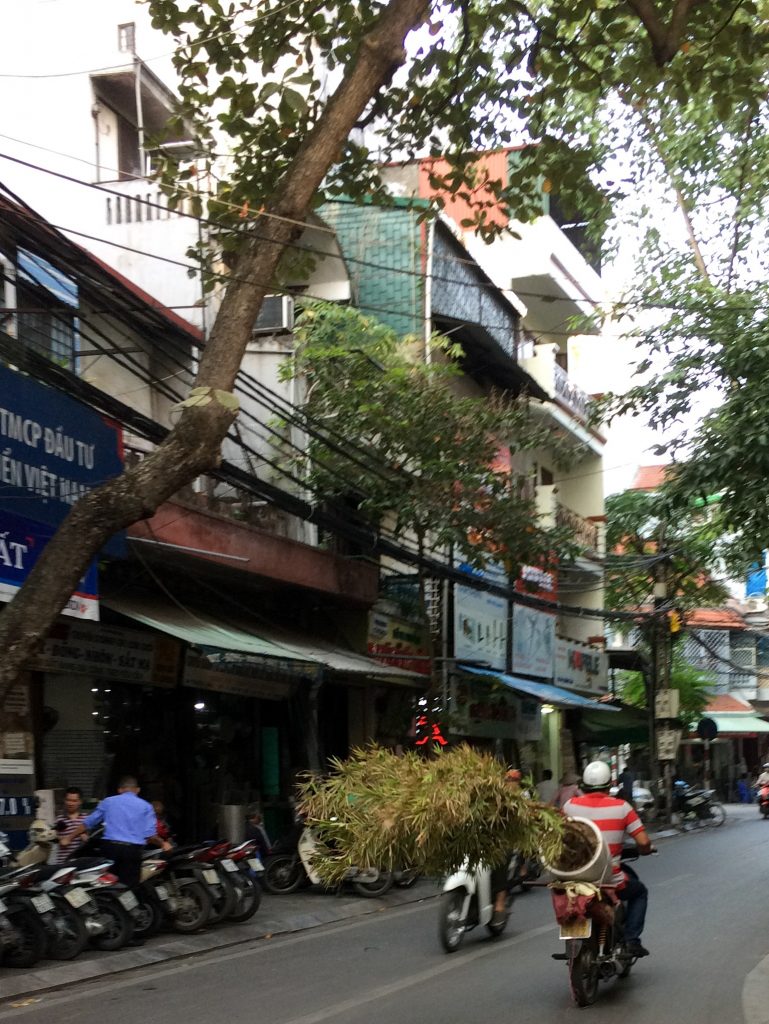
column 141, row 202
column 585, row 532
column 576, row 399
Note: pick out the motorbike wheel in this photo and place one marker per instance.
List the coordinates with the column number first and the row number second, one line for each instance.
column 149, row 919
column 406, row 878
column 118, row 924
column 583, row 973
column 71, row 935
column 283, row 874
column 248, row 896
column 193, row 907
column 451, row 924
column 717, row 815
column 28, row 941
column 372, row 890
column 223, row 905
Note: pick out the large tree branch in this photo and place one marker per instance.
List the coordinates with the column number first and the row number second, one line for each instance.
column 194, row 444
column 665, row 39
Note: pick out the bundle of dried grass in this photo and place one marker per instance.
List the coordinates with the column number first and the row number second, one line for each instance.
column 379, row 809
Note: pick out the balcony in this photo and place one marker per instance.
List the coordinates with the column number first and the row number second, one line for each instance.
column 574, row 397
column 140, row 202
column 585, row 532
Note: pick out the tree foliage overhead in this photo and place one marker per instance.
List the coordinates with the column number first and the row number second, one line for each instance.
column 652, row 541
column 424, row 456
column 695, row 688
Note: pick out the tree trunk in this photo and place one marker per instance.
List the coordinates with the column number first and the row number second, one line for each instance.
column 193, row 446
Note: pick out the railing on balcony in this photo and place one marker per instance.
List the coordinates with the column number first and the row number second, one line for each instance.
column 585, row 532
column 570, row 394
column 139, row 206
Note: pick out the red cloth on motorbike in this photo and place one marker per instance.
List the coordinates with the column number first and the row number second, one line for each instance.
column 568, row 908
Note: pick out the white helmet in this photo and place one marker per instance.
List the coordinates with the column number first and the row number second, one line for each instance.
column 597, row 775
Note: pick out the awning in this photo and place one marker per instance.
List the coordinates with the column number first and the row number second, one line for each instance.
column 545, row 692
column 630, row 725
column 739, row 725
column 203, row 630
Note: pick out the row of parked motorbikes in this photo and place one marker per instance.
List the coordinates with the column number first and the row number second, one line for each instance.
column 56, row 910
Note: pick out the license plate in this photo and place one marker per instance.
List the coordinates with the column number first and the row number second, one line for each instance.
column 43, row 904
column 229, row 865
column 161, row 892
column 210, row 876
column 255, row 864
column 128, row 900
column 580, row 928
column 77, row 897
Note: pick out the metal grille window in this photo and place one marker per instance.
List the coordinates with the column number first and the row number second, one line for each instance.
column 48, row 300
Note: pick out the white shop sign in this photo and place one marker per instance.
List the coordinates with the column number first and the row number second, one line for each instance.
column 580, row 667
column 481, row 622
column 533, row 642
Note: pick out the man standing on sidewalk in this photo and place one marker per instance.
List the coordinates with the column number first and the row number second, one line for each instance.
column 129, row 824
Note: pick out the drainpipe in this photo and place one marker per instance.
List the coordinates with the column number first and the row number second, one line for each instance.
column 430, row 245
column 95, row 111
column 139, row 112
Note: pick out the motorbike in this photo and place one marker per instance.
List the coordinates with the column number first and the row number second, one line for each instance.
column 467, row 902
column 285, row 872
column 524, row 870
column 696, row 807
column 23, row 939
column 644, row 802
column 763, row 801
column 591, row 920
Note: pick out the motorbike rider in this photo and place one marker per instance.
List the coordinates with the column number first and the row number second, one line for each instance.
column 763, row 778
column 499, row 873
column 616, row 819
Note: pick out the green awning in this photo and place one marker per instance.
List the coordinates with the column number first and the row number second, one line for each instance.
column 629, row 725
column 739, row 725
column 203, row 630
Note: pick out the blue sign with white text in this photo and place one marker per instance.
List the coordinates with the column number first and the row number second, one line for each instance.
column 53, row 449
column 21, row 544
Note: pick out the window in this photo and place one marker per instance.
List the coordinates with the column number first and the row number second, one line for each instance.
column 126, row 37
column 49, row 326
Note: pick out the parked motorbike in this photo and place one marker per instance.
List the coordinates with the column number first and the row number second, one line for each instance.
column 591, row 920
column 763, row 801
column 285, row 872
column 643, row 801
column 23, row 939
column 45, row 888
column 247, row 869
column 468, row 902
column 696, row 806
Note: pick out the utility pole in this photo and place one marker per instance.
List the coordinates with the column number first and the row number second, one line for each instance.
column 663, row 701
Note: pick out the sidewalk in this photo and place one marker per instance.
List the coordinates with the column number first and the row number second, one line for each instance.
column 277, row 915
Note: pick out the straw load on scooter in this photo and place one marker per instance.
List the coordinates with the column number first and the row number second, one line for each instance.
column 377, row 808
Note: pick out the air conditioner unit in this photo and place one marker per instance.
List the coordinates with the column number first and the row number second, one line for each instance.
column 275, row 317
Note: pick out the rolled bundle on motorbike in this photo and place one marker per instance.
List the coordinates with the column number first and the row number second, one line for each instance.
column 583, row 856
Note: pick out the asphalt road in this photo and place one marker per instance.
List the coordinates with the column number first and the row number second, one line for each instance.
column 708, row 931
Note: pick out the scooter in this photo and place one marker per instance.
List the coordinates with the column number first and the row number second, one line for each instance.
column 286, row 872
column 763, row 801
column 591, row 919
column 468, row 902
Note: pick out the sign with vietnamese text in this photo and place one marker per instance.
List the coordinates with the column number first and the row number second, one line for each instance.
column 53, row 449
column 21, row 544
column 110, row 652
column 487, row 711
column 394, row 639
column 246, row 675
column 481, row 621
column 580, row 667
column 533, row 642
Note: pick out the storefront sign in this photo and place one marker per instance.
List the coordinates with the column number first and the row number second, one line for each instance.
column 53, row 449
column 484, row 710
column 245, row 675
column 109, row 652
column 538, row 582
column 580, row 667
column 481, row 621
column 397, row 640
column 21, row 543
column 17, row 744
column 533, row 642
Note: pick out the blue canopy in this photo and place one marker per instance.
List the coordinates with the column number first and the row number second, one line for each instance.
column 545, row 692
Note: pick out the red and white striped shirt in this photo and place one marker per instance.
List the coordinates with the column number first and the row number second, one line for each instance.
column 615, row 818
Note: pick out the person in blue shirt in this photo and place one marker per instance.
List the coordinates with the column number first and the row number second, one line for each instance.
column 129, row 824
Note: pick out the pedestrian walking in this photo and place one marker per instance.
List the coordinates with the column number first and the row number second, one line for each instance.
column 129, row 824
column 569, row 788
